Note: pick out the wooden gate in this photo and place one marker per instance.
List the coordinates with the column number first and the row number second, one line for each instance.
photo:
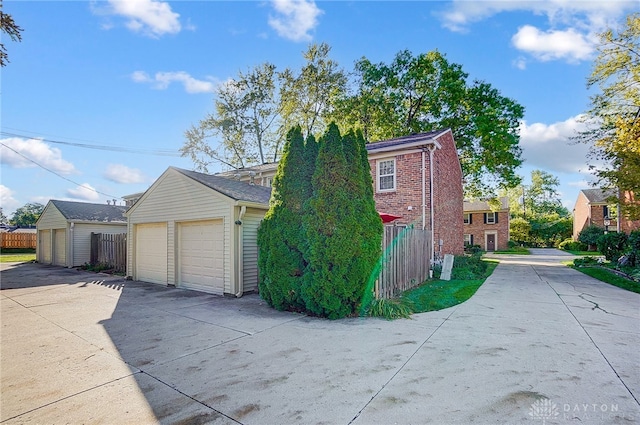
column 109, row 250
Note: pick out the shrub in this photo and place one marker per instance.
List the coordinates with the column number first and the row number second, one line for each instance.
column 612, row 245
column 473, row 249
column 571, row 245
column 390, row 309
column 634, row 248
column 467, row 267
column 512, row 244
column 590, row 235
column 586, row 261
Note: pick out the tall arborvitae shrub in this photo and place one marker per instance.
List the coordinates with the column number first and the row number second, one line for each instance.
column 340, row 229
column 280, row 237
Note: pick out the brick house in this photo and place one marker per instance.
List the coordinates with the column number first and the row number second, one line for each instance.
column 593, row 207
column 486, row 227
column 419, row 178
column 403, row 176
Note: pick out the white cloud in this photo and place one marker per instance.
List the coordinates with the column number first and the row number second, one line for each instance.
column 150, row 17
column 162, row 80
column 520, row 63
column 84, row 192
column 8, row 203
column 554, row 44
column 572, row 25
column 295, row 18
column 16, row 150
column 550, row 147
column 119, row 173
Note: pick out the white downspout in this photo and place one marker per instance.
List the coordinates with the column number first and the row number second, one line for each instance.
column 432, row 149
column 424, row 189
column 70, row 241
column 243, row 210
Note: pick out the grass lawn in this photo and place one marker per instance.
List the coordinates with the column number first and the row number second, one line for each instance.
column 17, row 258
column 17, row 255
column 604, row 275
column 438, row 294
column 591, row 253
column 515, row 250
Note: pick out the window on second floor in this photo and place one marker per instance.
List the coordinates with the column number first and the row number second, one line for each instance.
column 467, row 218
column 387, row 175
column 491, row 217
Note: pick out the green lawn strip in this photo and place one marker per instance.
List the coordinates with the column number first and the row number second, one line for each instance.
column 436, row 295
column 604, row 275
column 516, row 250
column 17, row 258
column 587, row 253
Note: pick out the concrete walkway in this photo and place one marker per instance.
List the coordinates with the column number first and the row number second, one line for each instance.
column 538, row 343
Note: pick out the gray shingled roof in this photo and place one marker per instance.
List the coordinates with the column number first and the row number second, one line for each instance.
column 479, row 205
column 84, row 211
column 271, row 166
column 234, row 189
column 405, row 140
column 598, row 196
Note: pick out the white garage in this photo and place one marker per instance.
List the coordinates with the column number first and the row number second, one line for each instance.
column 64, row 230
column 197, row 231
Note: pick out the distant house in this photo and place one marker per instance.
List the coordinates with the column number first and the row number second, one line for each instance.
column 594, row 207
column 486, row 227
column 197, row 231
column 64, row 230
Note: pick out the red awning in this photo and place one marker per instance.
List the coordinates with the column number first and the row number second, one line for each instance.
column 388, row 218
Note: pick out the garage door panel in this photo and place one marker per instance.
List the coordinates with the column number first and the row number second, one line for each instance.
column 201, row 262
column 44, row 244
column 59, row 247
column 151, row 253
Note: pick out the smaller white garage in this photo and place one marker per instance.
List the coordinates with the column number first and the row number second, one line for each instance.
column 197, row 231
column 64, row 230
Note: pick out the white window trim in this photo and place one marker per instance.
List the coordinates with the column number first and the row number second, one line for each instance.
column 464, row 238
column 493, row 217
column 464, row 218
column 395, row 173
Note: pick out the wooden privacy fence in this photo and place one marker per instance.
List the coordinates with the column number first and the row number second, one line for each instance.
column 18, row 240
column 406, row 261
column 109, row 250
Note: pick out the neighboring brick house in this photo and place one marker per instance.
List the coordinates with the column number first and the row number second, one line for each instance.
column 419, row 178
column 485, row 227
column 593, row 207
column 402, row 174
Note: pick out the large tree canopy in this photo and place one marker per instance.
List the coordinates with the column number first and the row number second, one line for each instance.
column 615, row 111
column 27, row 215
column 426, row 92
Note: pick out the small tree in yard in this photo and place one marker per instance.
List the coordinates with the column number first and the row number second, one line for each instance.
column 343, row 246
column 590, row 235
column 280, row 236
column 612, row 245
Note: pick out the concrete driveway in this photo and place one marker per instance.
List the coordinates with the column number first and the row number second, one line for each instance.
column 538, row 343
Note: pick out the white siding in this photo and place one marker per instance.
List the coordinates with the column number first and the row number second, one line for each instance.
column 173, row 198
column 60, row 247
column 50, row 219
column 250, row 225
column 81, row 250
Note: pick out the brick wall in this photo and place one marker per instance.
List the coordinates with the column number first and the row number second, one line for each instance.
column 581, row 213
column 406, row 200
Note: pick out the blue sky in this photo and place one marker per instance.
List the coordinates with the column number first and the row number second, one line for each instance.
column 132, row 76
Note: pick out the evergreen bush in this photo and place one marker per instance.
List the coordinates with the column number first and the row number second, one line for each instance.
column 612, row 245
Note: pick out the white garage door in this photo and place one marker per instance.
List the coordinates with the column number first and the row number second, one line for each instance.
column 201, row 263
column 59, row 247
column 151, row 253
column 44, row 246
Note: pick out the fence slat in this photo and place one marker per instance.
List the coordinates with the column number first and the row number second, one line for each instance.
column 406, row 260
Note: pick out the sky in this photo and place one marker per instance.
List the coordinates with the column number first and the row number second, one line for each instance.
column 97, row 96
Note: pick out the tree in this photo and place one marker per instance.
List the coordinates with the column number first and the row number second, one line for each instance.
column 280, row 236
column 3, row 218
column 614, row 115
column 27, row 215
column 342, row 247
column 426, row 92
column 9, row 27
column 308, row 98
column 590, row 235
column 245, row 121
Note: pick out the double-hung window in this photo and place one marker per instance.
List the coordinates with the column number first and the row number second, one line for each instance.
column 491, row 218
column 467, row 218
column 387, row 175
